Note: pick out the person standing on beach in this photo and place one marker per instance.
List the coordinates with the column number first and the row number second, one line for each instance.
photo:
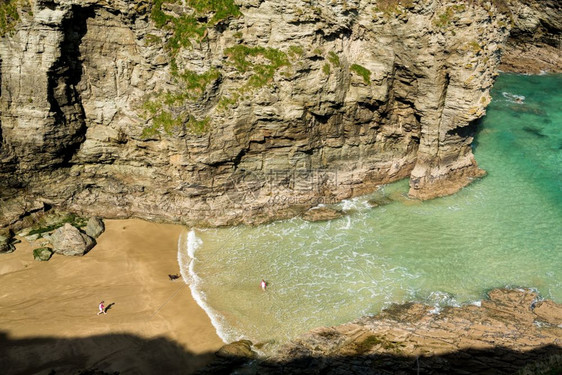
column 263, row 285
column 102, row 308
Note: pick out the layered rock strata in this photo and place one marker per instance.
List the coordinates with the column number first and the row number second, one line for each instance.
column 535, row 42
column 511, row 331
column 239, row 111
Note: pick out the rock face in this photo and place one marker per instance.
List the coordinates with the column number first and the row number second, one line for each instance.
column 239, row 111
column 509, row 332
column 535, row 42
column 68, row 240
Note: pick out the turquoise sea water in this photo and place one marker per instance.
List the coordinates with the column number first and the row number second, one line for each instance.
column 503, row 230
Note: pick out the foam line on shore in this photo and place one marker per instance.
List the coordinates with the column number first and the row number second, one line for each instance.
column 186, row 262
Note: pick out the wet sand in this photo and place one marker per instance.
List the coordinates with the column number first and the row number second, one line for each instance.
column 49, row 309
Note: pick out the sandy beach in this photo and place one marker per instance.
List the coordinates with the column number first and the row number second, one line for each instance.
column 48, row 310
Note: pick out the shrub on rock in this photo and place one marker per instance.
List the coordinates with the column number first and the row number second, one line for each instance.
column 42, row 253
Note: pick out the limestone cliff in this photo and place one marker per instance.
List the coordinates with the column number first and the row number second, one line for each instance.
column 225, row 112
column 535, row 41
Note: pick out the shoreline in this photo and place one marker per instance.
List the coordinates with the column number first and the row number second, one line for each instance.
column 128, row 268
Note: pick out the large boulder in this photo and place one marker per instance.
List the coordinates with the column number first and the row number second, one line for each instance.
column 68, row 240
column 42, row 254
column 238, row 350
column 94, row 227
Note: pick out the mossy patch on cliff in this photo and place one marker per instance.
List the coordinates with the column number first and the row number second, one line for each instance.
column 192, row 23
column 334, row 59
column 169, row 110
column 444, row 19
column 362, row 72
column 9, row 15
column 168, row 114
column 262, row 62
column 43, row 227
column 392, row 7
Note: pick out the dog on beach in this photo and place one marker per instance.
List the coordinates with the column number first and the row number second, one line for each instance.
column 174, row 277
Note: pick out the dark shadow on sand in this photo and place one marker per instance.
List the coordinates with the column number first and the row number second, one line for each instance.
column 109, row 306
column 129, row 354
column 122, row 353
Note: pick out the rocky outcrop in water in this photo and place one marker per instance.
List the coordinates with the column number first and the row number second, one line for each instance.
column 511, row 331
column 238, row 111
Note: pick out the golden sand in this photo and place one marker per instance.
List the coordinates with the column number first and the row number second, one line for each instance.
column 49, row 309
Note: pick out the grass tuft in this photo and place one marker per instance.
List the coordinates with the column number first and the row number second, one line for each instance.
column 334, row 59
column 192, row 26
column 362, row 72
column 262, row 62
column 9, row 16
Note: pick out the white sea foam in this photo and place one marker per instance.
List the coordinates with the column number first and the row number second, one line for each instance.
column 348, row 223
column 513, row 98
column 193, row 243
column 186, row 261
column 436, row 310
column 355, row 204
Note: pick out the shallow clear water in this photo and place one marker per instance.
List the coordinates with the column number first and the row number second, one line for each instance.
column 503, row 230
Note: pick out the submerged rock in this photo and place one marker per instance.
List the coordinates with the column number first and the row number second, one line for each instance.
column 379, row 201
column 42, row 253
column 322, row 214
column 95, row 227
column 68, row 240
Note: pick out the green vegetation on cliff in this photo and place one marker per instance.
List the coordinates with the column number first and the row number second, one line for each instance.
column 8, row 15
column 261, row 62
column 41, row 227
column 393, row 6
column 194, row 25
column 187, row 21
column 169, row 111
column 263, row 72
column 334, row 59
column 362, row 72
